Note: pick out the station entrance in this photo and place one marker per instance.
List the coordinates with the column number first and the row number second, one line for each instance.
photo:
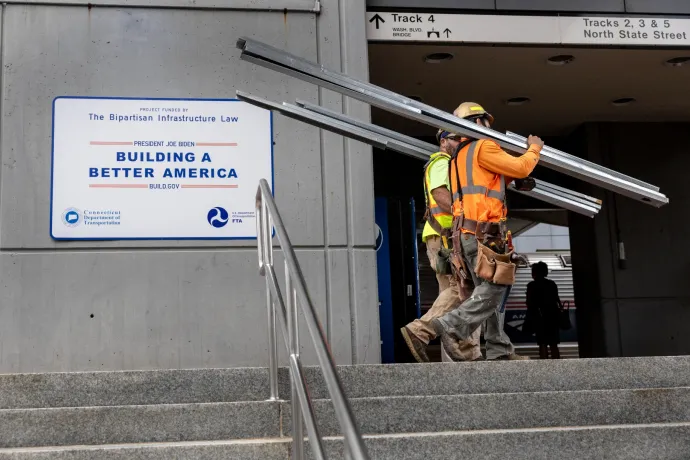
column 595, row 103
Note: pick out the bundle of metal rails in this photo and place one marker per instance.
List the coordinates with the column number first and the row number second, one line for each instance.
column 288, row 64
column 390, row 140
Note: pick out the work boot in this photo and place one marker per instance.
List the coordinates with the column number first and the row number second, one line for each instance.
column 416, row 346
column 511, row 357
column 450, row 344
column 451, row 347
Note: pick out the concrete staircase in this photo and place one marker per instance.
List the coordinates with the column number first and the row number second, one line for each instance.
column 631, row 408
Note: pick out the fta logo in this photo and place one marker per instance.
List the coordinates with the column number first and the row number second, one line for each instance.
column 217, row 217
column 236, row 220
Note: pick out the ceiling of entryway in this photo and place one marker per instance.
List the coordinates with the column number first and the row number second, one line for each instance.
column 561, row 97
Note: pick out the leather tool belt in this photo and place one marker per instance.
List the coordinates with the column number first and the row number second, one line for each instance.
column 493, row 264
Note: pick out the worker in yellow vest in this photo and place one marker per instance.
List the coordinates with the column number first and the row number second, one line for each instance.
column 436, row 236
column 479, row 173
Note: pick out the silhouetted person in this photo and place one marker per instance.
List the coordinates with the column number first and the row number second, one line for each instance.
column 543, row 311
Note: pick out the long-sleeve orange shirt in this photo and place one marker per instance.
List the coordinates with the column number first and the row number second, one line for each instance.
column 496, row 160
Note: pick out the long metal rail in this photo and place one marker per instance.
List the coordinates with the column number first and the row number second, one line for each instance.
column 431, row 148
column 544, row 191
column 280, row 61
column 589, row 163
column 367, row 126
column 268, row 217
column 378, row 137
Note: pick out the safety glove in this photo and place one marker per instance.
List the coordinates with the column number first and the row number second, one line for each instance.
column 526, row 184
column 519, row 259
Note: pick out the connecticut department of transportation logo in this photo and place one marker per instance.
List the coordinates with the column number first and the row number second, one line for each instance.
column 71, row 217
column 218, row 217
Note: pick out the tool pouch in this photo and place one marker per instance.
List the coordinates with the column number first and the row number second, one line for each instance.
column 494, row 267
column 457, row 263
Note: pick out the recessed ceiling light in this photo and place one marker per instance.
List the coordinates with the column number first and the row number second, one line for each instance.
column 518, row 100
column 435, row 58
column 677, row 61
column 561, row 59
column 623, row 101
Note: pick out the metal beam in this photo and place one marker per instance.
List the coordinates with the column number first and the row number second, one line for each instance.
column 544, row 189
column 368, row 126
column 589, row 163
column 372, row 135
column 286, row 63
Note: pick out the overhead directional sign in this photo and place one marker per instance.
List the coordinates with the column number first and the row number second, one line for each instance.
column 559, row 30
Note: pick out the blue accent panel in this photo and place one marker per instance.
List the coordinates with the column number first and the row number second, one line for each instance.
column 418, row 300
column 383, row 263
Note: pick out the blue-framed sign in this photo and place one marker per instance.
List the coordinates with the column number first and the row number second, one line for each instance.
column 144, row 168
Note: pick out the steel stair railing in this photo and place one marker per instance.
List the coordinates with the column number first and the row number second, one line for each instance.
column 285, row 309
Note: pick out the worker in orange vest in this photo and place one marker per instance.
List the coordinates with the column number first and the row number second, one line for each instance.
column 436, row 236
column 479, row 173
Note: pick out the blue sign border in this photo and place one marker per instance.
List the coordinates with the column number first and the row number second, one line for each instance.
column 52, row 169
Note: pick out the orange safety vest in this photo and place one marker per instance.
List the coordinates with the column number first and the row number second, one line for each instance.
column 478, row 194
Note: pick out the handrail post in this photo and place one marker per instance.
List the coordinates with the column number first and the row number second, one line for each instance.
column 260, row 233
column 286, row 310
column 293, row 332
column 267, row 245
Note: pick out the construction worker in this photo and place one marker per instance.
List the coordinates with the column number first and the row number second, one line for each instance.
column 479, row 173
column 436, row 236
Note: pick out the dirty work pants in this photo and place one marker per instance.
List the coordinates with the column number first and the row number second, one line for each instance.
column 449, row 297
column 484, row 304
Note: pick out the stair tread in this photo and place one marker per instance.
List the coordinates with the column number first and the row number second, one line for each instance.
column 83, row 389
column 284, row 439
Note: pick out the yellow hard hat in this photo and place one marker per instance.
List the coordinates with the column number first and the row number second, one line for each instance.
column 472, row 109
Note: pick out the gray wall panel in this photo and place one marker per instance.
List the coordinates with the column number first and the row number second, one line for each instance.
column 366, row 319
column 312, row 263
column 332, row 145
column 562, row 5
column 653, row 248
column 610, row 314
column 654, row 327
column 641, row 308
column 658, row 6
column 185, row 304
column 141, row 52
column 606, row 254
column 339, row 300
column 271, row 5
column 162, row 309
column 358, row 156
column 430, row 4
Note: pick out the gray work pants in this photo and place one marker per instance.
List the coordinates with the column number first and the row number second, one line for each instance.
column 485, row 304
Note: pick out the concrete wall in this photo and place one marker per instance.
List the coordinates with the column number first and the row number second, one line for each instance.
column 588, row 6
column 642, row 307
column 141, row 305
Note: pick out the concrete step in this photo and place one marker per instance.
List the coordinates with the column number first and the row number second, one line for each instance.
column 623, row 442
column 410, row 414
column 640, row 442
column 381, row 415
column 133, row 424
column 505, row 377
column 78, row 389
column 251, row 384
column 265, row 449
